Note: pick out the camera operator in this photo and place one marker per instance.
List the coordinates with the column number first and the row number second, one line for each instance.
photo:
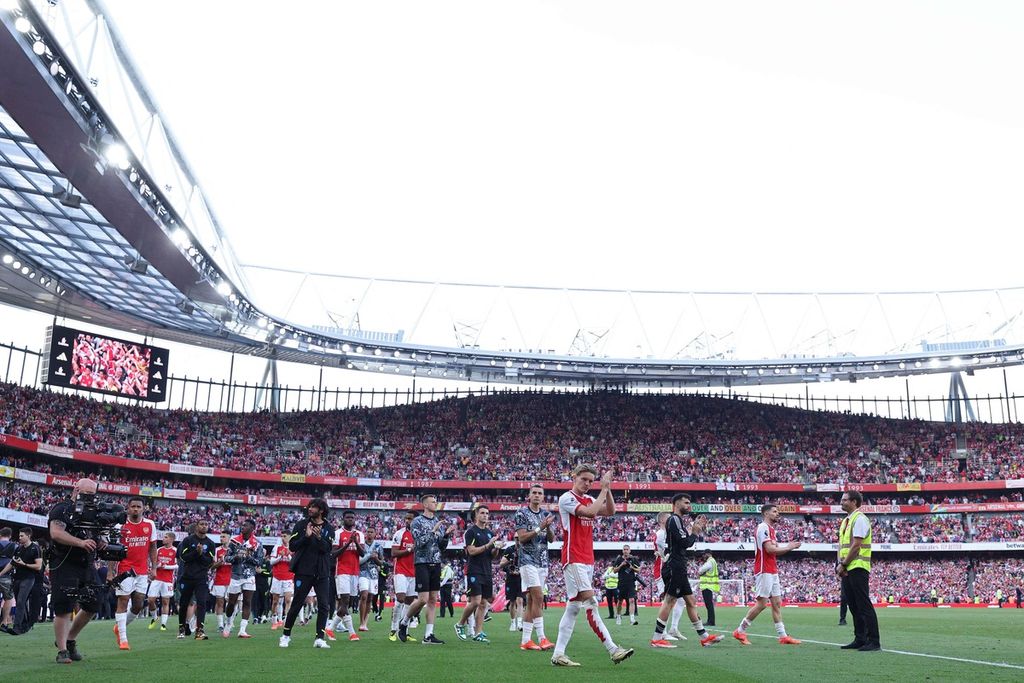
column 26, row 564
column 310, row 542
column 71, row 570
column 196, row 555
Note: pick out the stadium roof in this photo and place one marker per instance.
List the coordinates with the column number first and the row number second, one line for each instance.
column 107, row 223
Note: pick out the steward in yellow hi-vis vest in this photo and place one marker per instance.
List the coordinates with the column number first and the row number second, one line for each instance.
column 853, row 566
column 709, row 585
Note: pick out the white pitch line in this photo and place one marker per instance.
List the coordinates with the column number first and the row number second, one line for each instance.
column 1002, row 665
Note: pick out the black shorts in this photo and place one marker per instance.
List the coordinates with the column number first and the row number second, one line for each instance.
column 677, row 583
column 428, row 578
column 73, row 584
column 513, row 587
column 480, row 585
column 627, row 591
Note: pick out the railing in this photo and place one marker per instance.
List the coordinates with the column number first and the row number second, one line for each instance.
column 21, row 366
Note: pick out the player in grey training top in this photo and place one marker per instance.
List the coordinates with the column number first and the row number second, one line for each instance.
column 427, row 534
column 534, row 532
column 369, row 564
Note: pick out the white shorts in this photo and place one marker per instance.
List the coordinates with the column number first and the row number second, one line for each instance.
column 281, row 587
column 219, row 591
column 767, row 586
column 347, row 584
column 405, row 585
column 238, row 585
column 364, row 585
column 578, row 579
column 160, row 589
column 133, row 584
column 533, row 577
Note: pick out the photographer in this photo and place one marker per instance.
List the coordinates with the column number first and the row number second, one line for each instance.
column 73, row 577
column 26, row 564
column 310, row 542
column 195, row 555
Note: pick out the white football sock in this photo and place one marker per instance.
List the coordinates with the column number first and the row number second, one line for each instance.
column 593, row 611
column 122, row 626
column 527, row 633
column 538, row 626
column 677, row 614
column 780, row 628
column 566, row 626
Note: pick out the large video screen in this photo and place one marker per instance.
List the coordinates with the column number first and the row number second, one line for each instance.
column 93, row 362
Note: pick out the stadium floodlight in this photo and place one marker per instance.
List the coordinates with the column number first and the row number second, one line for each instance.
column 16, row 265
column 22, row 24
column 9, row 4
column 558, row 366
column 398, row 354
column 114, row 152
column 376, row 352
column 262, row 322
column 903, row 365
column 223, row 288
column 935, row 363
column 346, row 348
column 8, row 259
column 956, row 361
column 180, row 237
column 39, row 47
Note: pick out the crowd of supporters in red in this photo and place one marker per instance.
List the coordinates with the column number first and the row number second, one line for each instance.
column 683, row 438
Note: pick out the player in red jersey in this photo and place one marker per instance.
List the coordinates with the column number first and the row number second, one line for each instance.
column 577, row 511
column 162, row 586
column 282, row 583
column 348, row 548
column 221, row 578
column 767, row 587
column 139, row 536
column 404, row 580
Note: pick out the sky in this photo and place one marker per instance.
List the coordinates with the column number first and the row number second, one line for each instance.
column 749, row 146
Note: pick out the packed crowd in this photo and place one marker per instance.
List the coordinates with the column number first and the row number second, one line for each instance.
column 682, row 438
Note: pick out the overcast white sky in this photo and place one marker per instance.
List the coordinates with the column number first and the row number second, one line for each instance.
column 688, row 146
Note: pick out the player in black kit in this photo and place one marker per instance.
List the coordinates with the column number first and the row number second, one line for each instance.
column 673, row 572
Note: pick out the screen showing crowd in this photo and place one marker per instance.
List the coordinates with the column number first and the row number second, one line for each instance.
column 103, row 364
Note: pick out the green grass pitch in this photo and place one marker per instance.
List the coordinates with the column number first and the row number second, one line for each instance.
column 988, row 636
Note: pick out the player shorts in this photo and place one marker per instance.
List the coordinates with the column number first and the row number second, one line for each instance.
column 480, row 585
column 160, row 589
column 133, row 584
column 659, row 587
column 578, row 579
column 428, row 577
column 220, row 591
column 767, row 585
column 238, row 585
column 347, row 584
column 627, row 591
column 405, row 585
column 513, row 587
column 281, row 586
column 532, row 577
column 366, row 584
column 677, row 583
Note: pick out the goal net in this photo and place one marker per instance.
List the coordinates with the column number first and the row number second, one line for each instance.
column 731, row 591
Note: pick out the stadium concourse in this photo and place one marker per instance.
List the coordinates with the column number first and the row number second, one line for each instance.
column 942, row 525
